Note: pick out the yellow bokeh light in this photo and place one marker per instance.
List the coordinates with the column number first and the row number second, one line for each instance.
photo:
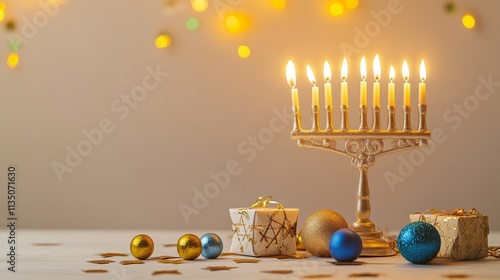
column 278, row 4
column 236, row 22
column 199, row 5
column 2, row 14
column 469, row 21
column 163, row 41
column 2, row 6
column 243, row 51
column 336, row 9
column 351, row 4
column 12, row 60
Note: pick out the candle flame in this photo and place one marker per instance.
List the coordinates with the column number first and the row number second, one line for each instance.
column 343, row 72
column 310, row 76
column 376, row 68
column 327, row 72
column 392, row 74
column 290, row 73
column 423, row 73
column 406, row 71
column 362, row 68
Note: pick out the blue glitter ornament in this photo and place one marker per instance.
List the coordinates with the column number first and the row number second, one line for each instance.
column 419, row 242
column 345, row 245
column 211, row 246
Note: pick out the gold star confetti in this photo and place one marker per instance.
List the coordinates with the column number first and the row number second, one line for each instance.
column 160, row 272
column 132, row 262
column 109, row 255
column 170, row 261
column 284, row 271
column 217, row 268
column 246, row 261
column 101, row 261
column 95, row 271
column 364, row 274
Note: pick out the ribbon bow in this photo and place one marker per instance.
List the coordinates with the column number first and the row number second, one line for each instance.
column 263, row 202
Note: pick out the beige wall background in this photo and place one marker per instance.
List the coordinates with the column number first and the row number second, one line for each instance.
column 207, row 111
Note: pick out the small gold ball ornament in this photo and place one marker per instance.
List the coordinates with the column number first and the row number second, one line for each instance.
column 318, row 229
column 189, row 246
column 142, row 246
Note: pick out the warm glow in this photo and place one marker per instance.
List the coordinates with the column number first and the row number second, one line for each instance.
column 343, row 71
column 336, row 9
column 392, row 74
column 469, row 21
column 243, row 51
column 376, row 68
column 327, row 72
column 278, row 4
column 199, row 5
column 290, row 74
column 406, row 71
column 351, row 4
column 423, row 73
column 310, row 75
column 163, row 41
column 2, row 14
column 362, row 68
column 12, row 60
column 236, row 22
column 2, row 6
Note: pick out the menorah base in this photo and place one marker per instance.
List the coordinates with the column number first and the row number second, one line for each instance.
column 374, row 245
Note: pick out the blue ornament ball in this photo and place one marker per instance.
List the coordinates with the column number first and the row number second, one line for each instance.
column 419, row 242
column 345, row 245
column 211, row 246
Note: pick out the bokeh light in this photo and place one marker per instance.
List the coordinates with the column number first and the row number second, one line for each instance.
column 449, row 7
column 163, row 41
column 12, row 60
column 243, row 51
column 278, row 4
column 199, row 5
column 336, row 9
column 192, row 23
column 236, row 22
column 351, row 4
column 469, row 21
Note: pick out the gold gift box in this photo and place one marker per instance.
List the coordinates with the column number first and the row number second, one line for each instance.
column 464, row 235
column 264, row 231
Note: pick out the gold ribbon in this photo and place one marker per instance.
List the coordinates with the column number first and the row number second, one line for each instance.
column 460, row 212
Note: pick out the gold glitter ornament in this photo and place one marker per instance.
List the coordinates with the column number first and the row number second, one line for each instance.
column 142, row 246
column 189, row 246
column 318, row 229
column 299, row 244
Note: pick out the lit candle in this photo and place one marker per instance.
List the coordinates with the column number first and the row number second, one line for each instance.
column 406, row 77
column 327, row 72
column 391, row 98
column 315, row 91
column 362, row 86
column 290, row 77
column 343, row 85
column 376, row 84
column 421, row 86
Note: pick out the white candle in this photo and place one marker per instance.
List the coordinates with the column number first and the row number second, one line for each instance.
column 315, row 90
column 343, row 85
column 327, row 72
column 391, row 97
column 406, row 76
column 376, row 84
column 290, row 77
column 362, row 86
column 421, row 86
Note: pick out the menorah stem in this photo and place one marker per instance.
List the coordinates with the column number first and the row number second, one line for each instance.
column 391, row 117
column 297, row 119
column 315, row 117
column 363, row 209
column 344, row 117
column 329, row 117
column 376, row 118
column 406, row 118
column 363, row 115
column 422, row 124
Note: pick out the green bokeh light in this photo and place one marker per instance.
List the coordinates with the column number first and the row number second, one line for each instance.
column 192, row 23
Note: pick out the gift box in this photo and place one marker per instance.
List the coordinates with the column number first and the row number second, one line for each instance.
column 264, row 229
column 464, row 235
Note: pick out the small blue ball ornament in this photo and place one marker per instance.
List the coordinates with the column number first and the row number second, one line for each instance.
column 345, row 245
column 419, row 242
column 211, row 246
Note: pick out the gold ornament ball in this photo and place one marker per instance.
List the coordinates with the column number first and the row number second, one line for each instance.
column 189, row 246
column 142, row 246
column 318, row 229
column 300, row 244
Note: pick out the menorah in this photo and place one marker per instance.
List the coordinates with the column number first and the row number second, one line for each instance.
column 363, row 145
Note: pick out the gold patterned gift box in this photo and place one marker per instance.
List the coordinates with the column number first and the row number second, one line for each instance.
column 464, row 235
column 264, row 230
